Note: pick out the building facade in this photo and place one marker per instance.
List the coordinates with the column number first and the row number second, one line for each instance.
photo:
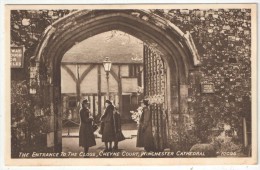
column 83, row 74
column 124, row 81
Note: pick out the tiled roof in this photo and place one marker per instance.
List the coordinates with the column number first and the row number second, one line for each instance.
column 118, row 46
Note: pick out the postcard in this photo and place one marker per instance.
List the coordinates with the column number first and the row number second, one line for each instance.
column 97, row 85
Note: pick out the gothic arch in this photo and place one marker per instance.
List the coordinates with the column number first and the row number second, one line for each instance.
column 177, row 49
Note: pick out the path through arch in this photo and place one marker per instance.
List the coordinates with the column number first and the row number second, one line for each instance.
column 177, row 51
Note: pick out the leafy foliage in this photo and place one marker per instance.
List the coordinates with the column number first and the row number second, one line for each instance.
column 183, row 137
column 136, row 115
column 27, row 26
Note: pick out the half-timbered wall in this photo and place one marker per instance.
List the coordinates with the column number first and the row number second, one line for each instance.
column 80, row 81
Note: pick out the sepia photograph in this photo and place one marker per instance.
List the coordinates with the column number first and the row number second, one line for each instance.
column 164, row 83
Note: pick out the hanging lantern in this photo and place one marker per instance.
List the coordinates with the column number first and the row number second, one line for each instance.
column 107, row 64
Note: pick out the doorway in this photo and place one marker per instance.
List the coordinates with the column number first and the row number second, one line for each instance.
column 177, row 50
column 126, row 107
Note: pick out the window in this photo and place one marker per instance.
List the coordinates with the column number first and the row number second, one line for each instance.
column 134, row 70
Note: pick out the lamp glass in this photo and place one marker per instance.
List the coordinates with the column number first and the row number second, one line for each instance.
column 107, row 65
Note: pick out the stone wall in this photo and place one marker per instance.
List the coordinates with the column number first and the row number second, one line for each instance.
column 223, row 40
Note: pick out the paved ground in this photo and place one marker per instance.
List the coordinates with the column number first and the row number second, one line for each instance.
column 71, row 147
column 129, row 131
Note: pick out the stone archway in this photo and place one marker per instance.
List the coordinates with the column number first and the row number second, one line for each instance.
column 178, row 52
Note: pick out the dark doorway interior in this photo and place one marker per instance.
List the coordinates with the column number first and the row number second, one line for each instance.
column 126, row 107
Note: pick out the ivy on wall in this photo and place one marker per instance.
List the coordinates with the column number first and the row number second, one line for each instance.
column 27, row 123
column 223, row 40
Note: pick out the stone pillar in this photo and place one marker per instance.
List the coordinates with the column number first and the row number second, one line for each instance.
column 120, row 90
column 183, row 99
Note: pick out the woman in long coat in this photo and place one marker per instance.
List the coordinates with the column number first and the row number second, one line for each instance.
column 118, row 129
column 144, row 133
column 86, row 133
column 108, row 129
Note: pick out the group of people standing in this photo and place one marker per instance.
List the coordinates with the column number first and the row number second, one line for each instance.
column 110, row 128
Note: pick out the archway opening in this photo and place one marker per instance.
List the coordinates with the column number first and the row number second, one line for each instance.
column 174, row 48
column 83, row 77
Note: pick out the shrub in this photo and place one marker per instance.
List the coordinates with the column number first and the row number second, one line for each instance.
column 231, row 147
column 183, row 139
column 208, row 149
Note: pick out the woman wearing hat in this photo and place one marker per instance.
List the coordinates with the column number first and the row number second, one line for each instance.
column 108, row 129
column 86, row 133
column 144, row 133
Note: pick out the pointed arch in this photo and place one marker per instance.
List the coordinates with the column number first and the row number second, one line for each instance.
column 177, row 50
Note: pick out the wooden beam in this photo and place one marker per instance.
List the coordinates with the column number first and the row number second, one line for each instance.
column 116, row 77
column 85, row 73
column 73, row 76
column 99, row 88
column 94, row 106
column 78, row 90
column 120, row 90
column 68, row 70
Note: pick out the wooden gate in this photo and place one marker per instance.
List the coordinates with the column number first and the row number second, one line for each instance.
column 155, row 77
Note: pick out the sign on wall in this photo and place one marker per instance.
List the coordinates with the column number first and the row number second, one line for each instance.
column 207, row 88
column 17, row 57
